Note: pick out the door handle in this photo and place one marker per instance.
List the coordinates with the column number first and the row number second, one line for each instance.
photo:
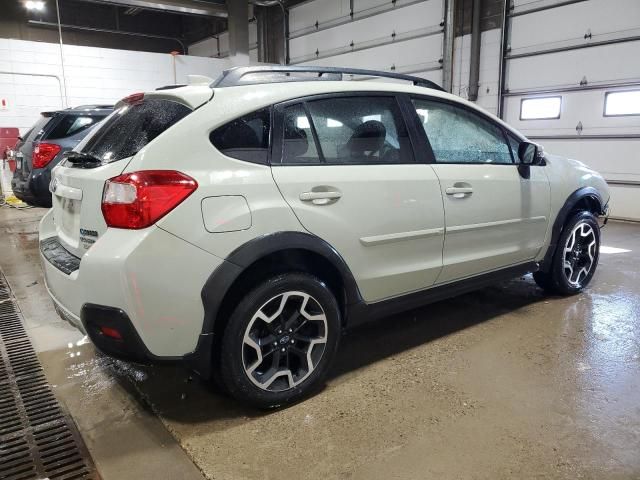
column 459, row 192
column 320, row 198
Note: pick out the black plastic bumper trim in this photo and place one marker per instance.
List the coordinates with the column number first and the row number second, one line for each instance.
column 57, row 256
column 131, row 348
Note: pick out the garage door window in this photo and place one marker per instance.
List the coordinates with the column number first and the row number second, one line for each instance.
column 346, row 130
column 457, row 135
column 541, row 108
column 622, row 103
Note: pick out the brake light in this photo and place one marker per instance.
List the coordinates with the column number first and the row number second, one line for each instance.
column 134, row 98
column 43, row 153
column 138, row 200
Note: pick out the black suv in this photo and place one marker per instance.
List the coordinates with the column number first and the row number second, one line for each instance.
column 41, row 149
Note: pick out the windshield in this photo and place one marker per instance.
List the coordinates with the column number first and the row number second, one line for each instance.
column 129, row 128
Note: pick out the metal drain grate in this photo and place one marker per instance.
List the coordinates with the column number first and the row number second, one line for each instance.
column 38, row 440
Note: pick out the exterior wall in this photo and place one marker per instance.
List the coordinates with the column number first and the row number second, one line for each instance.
column 93, row 75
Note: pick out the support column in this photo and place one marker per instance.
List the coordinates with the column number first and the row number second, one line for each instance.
column 238, row 32
column 474, row 70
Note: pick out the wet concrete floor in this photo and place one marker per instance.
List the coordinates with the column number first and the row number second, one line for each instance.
column 501, row 383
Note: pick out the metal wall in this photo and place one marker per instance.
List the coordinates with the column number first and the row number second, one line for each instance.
column 578, row 50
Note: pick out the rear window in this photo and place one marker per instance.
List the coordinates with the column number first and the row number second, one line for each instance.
column 33, row 134
column 72, row 124
column 245, row 138
column 131, row 127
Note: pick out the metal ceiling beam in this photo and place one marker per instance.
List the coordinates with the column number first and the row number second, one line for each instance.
column 39, row 23
column 186, row 7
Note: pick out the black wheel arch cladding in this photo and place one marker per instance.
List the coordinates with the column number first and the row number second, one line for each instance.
column 222, row 280
column 584, row 194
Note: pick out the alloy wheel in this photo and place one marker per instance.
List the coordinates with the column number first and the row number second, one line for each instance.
column 579, row 254
column 284, row 341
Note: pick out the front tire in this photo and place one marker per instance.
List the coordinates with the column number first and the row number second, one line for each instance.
column 280, row 341
column 576, row 257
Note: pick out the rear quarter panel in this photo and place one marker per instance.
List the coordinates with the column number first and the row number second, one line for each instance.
column 186, row 147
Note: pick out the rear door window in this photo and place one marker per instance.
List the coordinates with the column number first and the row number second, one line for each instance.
column 72, row 124
column 131, row 127
column 346, row 130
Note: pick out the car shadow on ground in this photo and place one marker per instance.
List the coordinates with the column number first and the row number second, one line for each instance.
column 176, row 395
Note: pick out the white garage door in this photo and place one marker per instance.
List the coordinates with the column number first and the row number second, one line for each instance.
column 572, row 83
column 405, row 36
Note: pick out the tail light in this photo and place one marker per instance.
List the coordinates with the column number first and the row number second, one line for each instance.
column 138, row 200
column 43, row 153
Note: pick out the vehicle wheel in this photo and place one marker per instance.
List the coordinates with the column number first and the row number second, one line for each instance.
column 280, row 341
column 576, row 256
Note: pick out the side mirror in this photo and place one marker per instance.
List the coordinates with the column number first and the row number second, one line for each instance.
column 530, row 154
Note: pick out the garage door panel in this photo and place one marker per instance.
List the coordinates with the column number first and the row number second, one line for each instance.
column 601, row 64
column 433, row 75
column 586, row 108
column 542, row 29
column 625, row 201
column 419, row 18
column 307, row 14
column 524, row 5
column 413, row 55
column 615, row 159
column 366, row 6
column 597, row 42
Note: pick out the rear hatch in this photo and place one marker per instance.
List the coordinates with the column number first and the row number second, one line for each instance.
column 79, row 180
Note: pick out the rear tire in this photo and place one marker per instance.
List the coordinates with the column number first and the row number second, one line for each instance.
column 280, row 341
column 576, row 257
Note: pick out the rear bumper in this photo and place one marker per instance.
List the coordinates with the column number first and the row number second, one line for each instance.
column 35, row 189
column 144, row 283
column 129, row 347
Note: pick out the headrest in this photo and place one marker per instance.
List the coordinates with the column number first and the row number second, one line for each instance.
column 367, row 137
column 240, row 135
column 295, row 140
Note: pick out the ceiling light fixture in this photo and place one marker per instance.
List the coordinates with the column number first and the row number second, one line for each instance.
column 37, row 5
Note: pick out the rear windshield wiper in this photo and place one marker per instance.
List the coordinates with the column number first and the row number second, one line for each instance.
column 82, row 160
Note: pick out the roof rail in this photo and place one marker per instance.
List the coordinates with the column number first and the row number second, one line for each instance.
column 234, row 77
